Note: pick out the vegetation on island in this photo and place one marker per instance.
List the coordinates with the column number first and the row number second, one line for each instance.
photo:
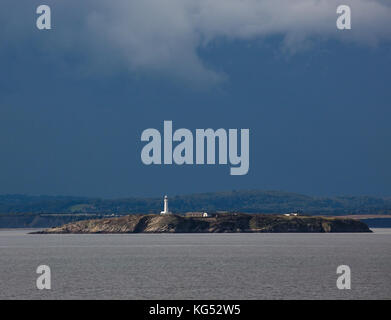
column 232, row 223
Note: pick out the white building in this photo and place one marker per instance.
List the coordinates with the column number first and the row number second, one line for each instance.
column 293, row 214
column 165, row 208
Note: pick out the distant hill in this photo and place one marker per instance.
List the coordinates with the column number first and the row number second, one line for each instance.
column 251, row 201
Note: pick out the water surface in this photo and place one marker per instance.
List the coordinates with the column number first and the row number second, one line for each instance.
column 195, row 266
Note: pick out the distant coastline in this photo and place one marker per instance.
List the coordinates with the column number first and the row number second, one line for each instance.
column 249, row 201
column 23, row 211
column 222, row 223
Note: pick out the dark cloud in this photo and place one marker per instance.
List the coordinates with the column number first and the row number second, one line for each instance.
column 165, row 38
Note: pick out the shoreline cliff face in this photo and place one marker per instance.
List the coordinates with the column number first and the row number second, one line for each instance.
column 140, row 223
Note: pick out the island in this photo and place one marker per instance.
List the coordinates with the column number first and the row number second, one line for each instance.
column 218, row 223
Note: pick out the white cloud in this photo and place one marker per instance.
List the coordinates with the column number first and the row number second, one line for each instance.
column 163, row 36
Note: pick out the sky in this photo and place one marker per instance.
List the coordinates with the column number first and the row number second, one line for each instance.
column 75, row 99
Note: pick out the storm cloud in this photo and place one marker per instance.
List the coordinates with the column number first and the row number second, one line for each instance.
column 164, row 37
column 75, row 99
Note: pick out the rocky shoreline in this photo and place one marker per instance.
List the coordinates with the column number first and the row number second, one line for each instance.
column 224, row 223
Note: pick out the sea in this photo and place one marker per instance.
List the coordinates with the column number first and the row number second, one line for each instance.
column 196, row 266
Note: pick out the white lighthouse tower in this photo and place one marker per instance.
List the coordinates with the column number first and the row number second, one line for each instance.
column 165, row 209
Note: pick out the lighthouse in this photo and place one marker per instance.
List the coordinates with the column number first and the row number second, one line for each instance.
column 165, row 208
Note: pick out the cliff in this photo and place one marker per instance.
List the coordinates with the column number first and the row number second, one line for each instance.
column 138, row 223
